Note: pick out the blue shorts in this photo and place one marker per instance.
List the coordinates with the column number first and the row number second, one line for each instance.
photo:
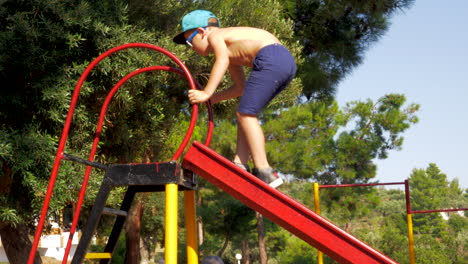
column 273, row 69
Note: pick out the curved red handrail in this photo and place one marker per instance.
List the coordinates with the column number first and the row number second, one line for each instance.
column 68, row 120
column 97, row 134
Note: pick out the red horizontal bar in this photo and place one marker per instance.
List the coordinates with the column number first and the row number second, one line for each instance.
column 360, row 185
column 280, row 208
column 438, row 211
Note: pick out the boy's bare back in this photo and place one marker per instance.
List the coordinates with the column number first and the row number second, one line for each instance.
column 242, row 43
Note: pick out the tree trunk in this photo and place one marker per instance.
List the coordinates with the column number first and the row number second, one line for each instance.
column 17, row 245
column 245, row 252
column 200, row 223
column 261, row 239
column 225, row 244
column 132, row 232
column 144, row 253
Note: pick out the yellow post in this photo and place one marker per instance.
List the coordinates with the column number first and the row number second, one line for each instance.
column 191, row 227
column 98, row 256
column 317, row 210
column 409, row 222
column 170, row 254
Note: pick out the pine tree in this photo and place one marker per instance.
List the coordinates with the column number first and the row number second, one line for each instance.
column 335, row 36
column 428, row 189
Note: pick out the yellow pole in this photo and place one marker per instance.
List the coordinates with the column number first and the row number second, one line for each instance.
column 317, row 210
column 191, row 227
column 170, row 254
column 409, row 222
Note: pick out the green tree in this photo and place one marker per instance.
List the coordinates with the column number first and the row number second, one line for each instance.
column 457, row 239
column 45, row 46
column 389, row 223
column 428, row 189
column 38, row 44
column 335, row 36
column 320, row 142
column 224, row 216
column 437, row 240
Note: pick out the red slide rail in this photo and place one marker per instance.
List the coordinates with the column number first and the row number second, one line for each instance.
column 60, row 150
column 280, row 208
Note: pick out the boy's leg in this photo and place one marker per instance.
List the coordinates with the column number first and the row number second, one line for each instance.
column 273, row 69
column 242, row 148
column 242, row 151
column 251, row 135
column 249, row 126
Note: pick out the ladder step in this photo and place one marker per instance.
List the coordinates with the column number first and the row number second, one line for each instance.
column 112, row 211
column 98, row 255
column 83, row 161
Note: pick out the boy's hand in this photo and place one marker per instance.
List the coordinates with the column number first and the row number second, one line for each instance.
column 197, row 96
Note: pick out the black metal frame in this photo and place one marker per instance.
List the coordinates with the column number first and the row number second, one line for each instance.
column 151, row 177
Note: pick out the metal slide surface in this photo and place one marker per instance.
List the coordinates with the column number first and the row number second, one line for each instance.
column 280, row 208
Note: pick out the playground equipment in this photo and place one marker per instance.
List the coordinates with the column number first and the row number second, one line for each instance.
column 409, row 212
column 139, row 177
column 172, row 177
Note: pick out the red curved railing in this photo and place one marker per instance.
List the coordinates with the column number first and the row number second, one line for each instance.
column 60, row 153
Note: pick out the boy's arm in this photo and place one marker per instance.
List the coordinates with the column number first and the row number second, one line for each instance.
column 236, row 90
column 220, row 67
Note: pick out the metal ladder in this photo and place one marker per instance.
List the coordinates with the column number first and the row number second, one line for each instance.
column 150, row 177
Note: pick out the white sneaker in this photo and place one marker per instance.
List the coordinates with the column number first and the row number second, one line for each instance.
column 269, row 176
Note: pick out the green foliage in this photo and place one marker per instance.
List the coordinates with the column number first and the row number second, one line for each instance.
column 224, row 218
column 317, row 140
column 300, row 139
column 161, row 16
column 377, row 129
column 458, row 223
column 46, row 45
column 384, row 228
column 31, row 151
column 437, row 240
column 10, row 216
column 428, row 189
column 298, row 251
column 430, row 250
column 335, row 36
column 457, row 239
column 153, row 220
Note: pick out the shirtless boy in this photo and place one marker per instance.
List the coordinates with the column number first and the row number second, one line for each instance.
column 273, row 68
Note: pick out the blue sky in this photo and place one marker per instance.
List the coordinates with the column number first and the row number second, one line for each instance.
column 423, row 55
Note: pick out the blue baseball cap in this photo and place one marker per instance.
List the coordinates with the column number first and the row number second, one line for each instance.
column 196, row 19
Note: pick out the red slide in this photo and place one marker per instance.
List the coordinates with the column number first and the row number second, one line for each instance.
column 280, row 208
